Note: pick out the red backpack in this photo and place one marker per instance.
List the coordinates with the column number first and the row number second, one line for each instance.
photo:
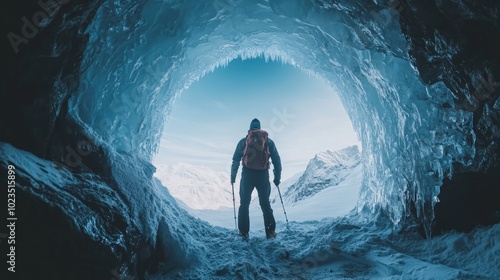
column 256, row 153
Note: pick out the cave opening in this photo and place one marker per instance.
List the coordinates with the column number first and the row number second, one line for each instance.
column 300, row 111
column 92, row 82
column 411, row 132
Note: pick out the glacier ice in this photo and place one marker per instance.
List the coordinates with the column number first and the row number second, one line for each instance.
column 143, row 54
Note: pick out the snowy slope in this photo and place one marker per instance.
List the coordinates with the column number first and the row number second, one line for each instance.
column 311, row 246
column 324, row 239
column 332, row 248
column 198, row 187
column 327, row 169
column 332, row 200
column 284, row 186
column 328, row 203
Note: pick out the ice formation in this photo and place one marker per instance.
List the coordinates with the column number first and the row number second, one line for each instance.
column 142, row 54
column 88, row 88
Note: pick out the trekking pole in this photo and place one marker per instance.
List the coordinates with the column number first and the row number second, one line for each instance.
column 234, row 208
column 282, row 204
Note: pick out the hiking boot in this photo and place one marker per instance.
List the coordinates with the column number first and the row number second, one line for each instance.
column 270, row 234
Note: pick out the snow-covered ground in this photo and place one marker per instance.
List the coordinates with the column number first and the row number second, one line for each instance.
column 314, row 244
column 319, row 242
column 323, row 241
column 326, row 239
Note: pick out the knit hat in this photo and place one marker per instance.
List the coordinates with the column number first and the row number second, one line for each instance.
column 255, row 124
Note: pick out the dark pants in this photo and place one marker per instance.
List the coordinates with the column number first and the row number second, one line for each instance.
column 258, row 179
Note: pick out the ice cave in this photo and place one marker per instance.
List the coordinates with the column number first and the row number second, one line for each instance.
column 87, row 86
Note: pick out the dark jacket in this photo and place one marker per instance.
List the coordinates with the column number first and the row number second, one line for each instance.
column 238, row 155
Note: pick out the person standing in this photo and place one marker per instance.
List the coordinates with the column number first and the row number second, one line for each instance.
column 254, row 151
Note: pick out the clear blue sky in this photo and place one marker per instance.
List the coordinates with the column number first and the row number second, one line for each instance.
column 302, row 114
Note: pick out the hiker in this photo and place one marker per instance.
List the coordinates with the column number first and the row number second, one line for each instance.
column 254, row 151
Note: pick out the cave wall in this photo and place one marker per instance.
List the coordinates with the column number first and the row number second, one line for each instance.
column 40, row 70
column 40, row 67
column 39, row 78
column 457, row 43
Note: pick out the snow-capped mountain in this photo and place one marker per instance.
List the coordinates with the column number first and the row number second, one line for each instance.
column 326, row 169
column 284, row 186
column 198, row 187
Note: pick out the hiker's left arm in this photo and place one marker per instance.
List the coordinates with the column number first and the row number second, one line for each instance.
column 275, row 158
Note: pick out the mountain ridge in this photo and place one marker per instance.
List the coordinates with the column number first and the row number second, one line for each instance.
column 326, row 169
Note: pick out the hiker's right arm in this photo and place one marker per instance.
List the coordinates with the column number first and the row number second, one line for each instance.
column 238, row 154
